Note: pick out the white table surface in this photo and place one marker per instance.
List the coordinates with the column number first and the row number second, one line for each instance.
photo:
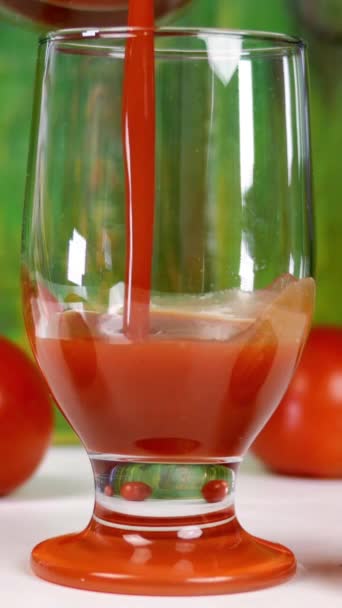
column 305, row 515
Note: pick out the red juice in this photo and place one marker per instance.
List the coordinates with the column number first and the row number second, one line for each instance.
column 197, row 388
column 138, row 126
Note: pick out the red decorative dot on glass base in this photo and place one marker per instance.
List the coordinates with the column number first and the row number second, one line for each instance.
column 215, row 490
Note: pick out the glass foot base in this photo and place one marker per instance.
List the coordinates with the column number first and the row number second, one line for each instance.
column 190, row 560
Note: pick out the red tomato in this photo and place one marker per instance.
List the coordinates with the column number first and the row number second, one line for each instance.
column 215, row 490
column 26, row 418
column 304, row 435
column 135, row 490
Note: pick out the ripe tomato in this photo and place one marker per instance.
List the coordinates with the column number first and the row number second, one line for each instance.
column 26, row 418
column 304, row 435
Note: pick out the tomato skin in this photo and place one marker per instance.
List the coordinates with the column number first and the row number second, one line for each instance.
column 304, row 435
column 26, row 417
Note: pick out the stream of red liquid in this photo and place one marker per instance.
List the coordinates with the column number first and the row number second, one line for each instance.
column 139, row 152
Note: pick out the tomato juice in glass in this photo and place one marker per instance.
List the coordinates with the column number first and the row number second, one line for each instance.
column 195, row 390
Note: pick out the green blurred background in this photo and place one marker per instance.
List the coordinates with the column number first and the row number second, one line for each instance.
column 319, row 22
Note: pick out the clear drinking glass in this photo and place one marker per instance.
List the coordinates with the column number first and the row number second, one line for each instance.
column 167, row 417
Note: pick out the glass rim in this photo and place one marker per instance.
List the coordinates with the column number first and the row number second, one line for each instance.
column 273, row 41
